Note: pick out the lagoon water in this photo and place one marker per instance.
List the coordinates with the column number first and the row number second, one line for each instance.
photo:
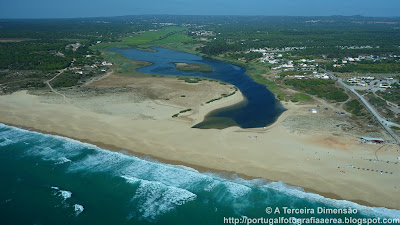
column 259, row 110
column 49, row 179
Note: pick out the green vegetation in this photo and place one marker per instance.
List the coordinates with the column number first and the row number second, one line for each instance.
column 368, row 67
column 395, row 128
column 173, row 38
column 190, row 80
column 246, row 56
column 222, row 96
column 44, row 55
column 186, row 110
column 66, row 80
column 182, row 111
column 301, row 97
column 391, row 95
column 355, row 108
column 376, row 101
column 319, row 87
column 257, row 72
column 193, row 67
column 322, row 37
column 124, row 65
column 272, row 86
column 45, row 46
column 149, row 38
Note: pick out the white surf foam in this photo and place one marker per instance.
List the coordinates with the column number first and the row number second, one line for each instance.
column 6, row 142
column 131, row 180
column 65, row 194
column 167, row 174
column 300, row 193
column 211, row 186
column 183, row 178
column 62, row 193
column 155, row 198
column 78, row 209
column 99, row 161
column 63, row 160
column 237, row 190
column 186, row 168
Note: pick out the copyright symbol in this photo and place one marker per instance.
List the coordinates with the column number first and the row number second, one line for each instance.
column 268, row 210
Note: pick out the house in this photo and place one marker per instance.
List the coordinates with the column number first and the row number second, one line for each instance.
column 325, row 76
column 106, row 63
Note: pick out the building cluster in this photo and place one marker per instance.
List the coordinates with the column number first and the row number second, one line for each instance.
column 272, row 57
column 288, row 65
column 165, row 24
column 357, row 47
column 314, row 75
column 285, row 49
column 365, row 81
column 346, row 60
column 82, row 69
column 203, row 33
column 361, row 80
column 73, row 46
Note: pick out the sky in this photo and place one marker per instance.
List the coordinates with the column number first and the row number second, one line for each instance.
column 99, row 8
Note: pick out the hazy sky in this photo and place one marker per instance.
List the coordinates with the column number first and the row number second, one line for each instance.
column 94, row 8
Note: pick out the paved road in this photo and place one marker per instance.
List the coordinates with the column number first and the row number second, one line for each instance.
column 382, row 121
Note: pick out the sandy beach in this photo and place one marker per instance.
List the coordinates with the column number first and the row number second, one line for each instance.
column 318, row 152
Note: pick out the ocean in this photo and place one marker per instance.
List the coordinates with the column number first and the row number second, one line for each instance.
column 47, row 179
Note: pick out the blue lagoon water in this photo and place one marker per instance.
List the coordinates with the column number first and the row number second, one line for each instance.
column 46, row 179
column 49, row 179
column 260, row 108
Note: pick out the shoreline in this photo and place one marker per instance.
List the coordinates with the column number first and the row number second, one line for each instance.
column 278, row 154
column 200, row 169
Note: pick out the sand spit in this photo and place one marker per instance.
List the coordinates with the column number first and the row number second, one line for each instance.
column 313, row 151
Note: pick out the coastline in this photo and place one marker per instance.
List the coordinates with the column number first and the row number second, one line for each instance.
column 199, row 168
column 173, row 141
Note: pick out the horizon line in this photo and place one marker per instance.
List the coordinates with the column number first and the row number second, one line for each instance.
column 92, row 17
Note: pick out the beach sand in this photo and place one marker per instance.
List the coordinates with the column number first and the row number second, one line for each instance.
column 302, row 149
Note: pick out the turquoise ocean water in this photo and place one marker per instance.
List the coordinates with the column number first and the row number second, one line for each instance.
column 49, row 179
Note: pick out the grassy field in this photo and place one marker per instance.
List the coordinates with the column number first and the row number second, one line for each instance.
column 193, row 67
column 123, row 65
column 183, row 47
column 179, row 37
column 149, row 38
column 256, row 71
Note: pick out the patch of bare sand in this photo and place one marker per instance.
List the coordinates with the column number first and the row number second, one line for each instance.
column 312, row 158
column 145, row 97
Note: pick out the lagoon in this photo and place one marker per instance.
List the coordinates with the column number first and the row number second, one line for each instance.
column 260, row 108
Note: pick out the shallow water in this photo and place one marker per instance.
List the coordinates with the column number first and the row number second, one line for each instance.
column 259, row 110
column 49, row 179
